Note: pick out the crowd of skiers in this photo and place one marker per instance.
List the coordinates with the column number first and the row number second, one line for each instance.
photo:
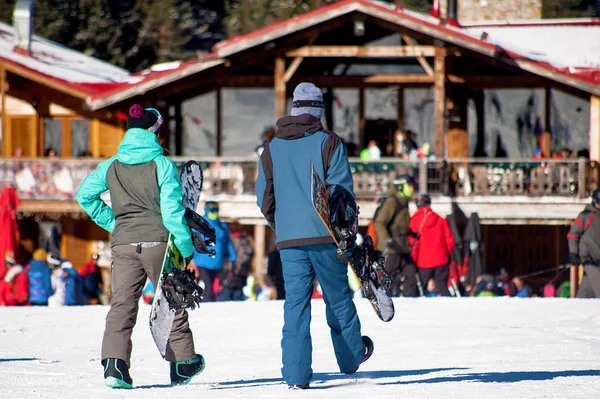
column 48, row 280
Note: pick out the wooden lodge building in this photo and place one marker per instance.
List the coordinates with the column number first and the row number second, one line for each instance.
column 54, row 97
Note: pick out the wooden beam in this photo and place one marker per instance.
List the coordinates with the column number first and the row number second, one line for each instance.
column 409, row 40
column 492, row 82
column 280, row 95
column 363, row 51
column 408, row 78
column 292, row 68
column 6, row 144
column 439, row 94
column 595, row 128
column 45, row 82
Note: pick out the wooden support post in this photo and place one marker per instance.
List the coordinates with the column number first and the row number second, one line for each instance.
column 361, row 118
column 574, row 279
column 95, row 137
column 218, row 120
column 280, row 95
column 546, row 138
column 439, row 94
column 400, row 119
column 178, row 128
column 595, row 128
column 259, row 250
column 6, row 142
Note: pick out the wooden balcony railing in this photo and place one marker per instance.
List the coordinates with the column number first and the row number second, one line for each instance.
column 43, row 179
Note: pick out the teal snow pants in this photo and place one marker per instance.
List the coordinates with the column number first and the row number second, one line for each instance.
column 300, row 265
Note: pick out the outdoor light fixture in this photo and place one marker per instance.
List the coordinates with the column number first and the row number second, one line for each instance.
column 359, row 28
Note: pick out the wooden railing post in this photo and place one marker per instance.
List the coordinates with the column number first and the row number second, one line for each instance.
column 423, row 169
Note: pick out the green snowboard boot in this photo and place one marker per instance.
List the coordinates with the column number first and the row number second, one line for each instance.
column 183, row 372
column 116, row 374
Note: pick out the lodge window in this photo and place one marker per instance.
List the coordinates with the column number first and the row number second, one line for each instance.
column 69, row 137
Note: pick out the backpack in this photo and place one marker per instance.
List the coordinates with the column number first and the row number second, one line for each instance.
column 371, row 227
column 74, row 288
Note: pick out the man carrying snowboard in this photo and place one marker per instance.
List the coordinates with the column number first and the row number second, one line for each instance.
column 307, row 250
column 146, row 197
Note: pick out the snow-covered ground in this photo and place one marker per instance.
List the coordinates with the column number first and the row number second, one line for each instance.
column 434, row 348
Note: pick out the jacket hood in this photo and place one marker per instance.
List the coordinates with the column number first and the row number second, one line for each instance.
column 592, row 208
column 139, row 146
column 296, row 127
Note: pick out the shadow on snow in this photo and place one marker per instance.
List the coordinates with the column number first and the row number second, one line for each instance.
column 19, row 359
column 502, row 377
column 323, row 377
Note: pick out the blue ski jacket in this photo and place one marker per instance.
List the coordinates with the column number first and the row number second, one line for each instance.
column 223, row 247
column 283, row 185
column 40, row 285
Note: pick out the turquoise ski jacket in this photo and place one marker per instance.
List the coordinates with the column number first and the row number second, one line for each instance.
column 138, row 147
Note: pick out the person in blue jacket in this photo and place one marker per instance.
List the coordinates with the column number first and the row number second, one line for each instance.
column 283, row 190
column 209, row 267
column 40, row 283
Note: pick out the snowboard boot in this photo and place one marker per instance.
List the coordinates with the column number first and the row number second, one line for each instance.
column 183, row 372
column 369, row 346
column 298, row 386
column 116, row 374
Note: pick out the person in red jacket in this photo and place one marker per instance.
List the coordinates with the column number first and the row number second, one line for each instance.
column 432, row 245
column 14, row 286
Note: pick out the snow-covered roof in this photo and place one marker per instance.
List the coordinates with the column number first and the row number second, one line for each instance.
column 59, row 61
column 562, row 46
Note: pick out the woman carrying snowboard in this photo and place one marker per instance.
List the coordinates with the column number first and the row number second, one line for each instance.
column 146, row 195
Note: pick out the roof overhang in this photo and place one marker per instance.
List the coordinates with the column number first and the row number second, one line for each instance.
column 151, row 84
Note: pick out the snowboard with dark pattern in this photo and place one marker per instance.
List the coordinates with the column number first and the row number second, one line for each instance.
column 161, row 314
column 365, row 262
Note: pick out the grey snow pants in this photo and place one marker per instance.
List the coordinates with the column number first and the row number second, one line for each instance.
column 129, row 272
column 590, row 284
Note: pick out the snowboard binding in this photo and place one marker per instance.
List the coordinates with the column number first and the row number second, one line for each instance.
column 181, row 290
column 203, row 229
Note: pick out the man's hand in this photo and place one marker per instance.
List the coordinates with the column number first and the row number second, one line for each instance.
column 574, row 259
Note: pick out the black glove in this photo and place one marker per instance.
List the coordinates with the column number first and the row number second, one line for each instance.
column 391, row 244
column 574, row 259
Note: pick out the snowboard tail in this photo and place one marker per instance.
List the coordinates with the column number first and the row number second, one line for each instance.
column 366, row 263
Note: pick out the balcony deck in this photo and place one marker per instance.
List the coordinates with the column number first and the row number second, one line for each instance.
column 501, row 191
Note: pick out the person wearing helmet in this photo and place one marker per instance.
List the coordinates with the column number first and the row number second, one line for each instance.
column 209, row 267
column 584, row 247
column 392, row 224
column 432, row 246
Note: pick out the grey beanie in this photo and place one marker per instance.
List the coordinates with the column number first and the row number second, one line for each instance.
column 308, row 92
